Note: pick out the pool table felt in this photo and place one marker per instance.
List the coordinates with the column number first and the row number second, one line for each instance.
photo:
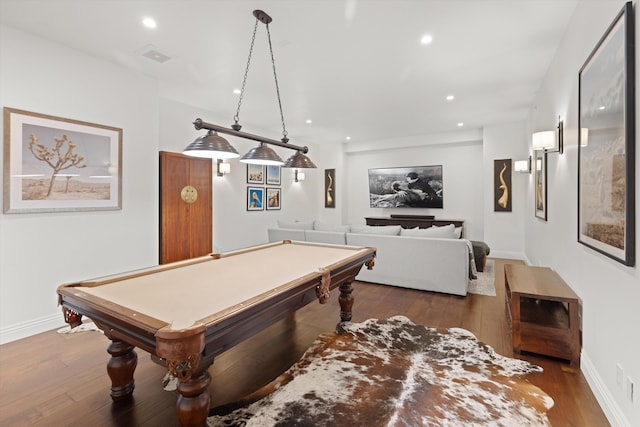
column 184, row 295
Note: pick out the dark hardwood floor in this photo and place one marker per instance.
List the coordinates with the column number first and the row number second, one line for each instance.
column 53, row 379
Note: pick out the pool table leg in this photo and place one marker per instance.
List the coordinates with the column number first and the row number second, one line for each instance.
column 120, row 368
column 194, row 400
column 346, row 302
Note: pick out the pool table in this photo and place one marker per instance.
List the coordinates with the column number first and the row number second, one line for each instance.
column 186, row 313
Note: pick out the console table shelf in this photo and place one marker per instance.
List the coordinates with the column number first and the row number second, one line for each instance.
column 544, row 312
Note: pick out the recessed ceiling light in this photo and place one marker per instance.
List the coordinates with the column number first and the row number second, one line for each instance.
column 149, row 22
column 426, row 39
column 308, row 121
column 348, row 138
column 236, row 91
column 450, row 97
column 460, row 124
column 602, row 107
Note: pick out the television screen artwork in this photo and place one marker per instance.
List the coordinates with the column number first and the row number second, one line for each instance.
column 410, row 187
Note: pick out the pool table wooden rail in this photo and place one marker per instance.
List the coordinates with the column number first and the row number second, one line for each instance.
column 189, row 351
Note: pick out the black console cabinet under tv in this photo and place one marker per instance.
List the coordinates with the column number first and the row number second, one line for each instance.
column 412, row 221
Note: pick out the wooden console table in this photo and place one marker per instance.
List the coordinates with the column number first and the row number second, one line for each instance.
column 408, row 221
column 544, row 312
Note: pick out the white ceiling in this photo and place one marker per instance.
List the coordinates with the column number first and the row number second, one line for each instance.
column 355, row 67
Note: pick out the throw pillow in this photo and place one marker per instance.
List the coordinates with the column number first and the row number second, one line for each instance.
column 444, row 232
column 296, row 225
column 457, row 233
column 324, row 226
column 387, row 230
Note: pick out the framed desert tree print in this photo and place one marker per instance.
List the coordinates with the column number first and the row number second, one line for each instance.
column 54, row 164
column 502, row 185
column 540, row 183
column 606, row 149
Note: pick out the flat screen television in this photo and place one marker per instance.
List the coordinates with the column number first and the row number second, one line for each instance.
column 406, row 187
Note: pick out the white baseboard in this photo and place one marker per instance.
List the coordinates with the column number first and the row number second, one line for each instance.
column 32, row 327
column 604, row 397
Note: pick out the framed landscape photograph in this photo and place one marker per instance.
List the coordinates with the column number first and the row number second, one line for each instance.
column 273, row 198
column 540, row 183
column 255, row 174
column 606, row 149
column 273, row 175
column 406, row 187
column 54, row 164
column 255, row 198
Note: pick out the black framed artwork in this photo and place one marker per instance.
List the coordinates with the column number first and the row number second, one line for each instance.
column 606, row 149
column 255, row 198
column 502, row 185
column 255, row 174
column 274, row 198
column 329, row 188
column 273, row 175
column 540, row 183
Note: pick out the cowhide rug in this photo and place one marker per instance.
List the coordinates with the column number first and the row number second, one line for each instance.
column 396, row 373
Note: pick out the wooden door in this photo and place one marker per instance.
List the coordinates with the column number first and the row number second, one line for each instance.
column 186, row 219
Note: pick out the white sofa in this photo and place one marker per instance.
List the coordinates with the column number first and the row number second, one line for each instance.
column 412, row 261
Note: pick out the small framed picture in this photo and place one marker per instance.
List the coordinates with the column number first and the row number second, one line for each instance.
column 273, row 175
column 255, row 198
column 255, row 174
column 273, row 198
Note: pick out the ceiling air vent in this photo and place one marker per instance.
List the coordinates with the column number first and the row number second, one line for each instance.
column 154, row 54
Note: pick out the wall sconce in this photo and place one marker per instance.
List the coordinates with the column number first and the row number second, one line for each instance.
column 216, row 147
column 523, row 166
column 298, row 176
column 223, row 168
column 584, row 137
column 546, row 140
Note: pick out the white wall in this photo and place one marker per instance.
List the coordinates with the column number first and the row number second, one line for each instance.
column 233, row 226
column 40, row 251
column 610, row 291
column 460, row 155
column 504, row 230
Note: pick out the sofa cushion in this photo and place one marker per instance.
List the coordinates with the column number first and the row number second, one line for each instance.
column 280, row 234
column 325, row 226
column 296, row 225
column 332, row 237
column 387, row 230
column 444, row 232
column 457, row 233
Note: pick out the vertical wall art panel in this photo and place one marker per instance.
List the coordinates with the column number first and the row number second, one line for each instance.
column 329, row 188
column 502, row 185
column 606, row 152
column 540, row 183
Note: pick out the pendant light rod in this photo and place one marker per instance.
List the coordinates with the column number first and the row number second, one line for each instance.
column 200, row 124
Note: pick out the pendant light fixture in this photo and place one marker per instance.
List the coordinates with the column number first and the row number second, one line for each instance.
column 214, row 146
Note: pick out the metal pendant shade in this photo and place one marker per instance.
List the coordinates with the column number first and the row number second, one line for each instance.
column 299, row 161
column 211, row 146
column 262, row 155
